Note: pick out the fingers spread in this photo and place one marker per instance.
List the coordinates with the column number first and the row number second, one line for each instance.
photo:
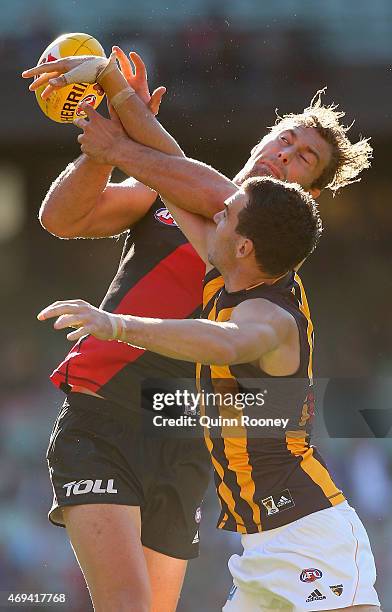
column 156, row 99
column 59, row 308
column 48, row 91
column 58, row 65
column 140, row 68
column 125, row 65
column 41, row 80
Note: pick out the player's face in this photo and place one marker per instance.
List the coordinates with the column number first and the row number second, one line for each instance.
column 297, row 155
column 222, row 250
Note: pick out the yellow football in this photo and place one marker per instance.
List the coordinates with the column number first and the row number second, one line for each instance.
column 63, row 104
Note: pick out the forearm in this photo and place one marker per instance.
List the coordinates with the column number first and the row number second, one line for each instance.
column 187, row 183
column 137, row 119
column 198, row 341
column 203, row 189
column 73, row 194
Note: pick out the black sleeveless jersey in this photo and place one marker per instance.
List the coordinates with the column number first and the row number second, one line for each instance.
column 160, row 275
column 266, row 472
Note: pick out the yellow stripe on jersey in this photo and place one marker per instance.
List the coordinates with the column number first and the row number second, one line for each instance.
column 211, row 288
column 313, row 468
column 304, row 308
column 236, row 448
column 223, row 489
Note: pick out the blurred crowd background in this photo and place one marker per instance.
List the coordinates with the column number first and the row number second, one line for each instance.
column 227, row 67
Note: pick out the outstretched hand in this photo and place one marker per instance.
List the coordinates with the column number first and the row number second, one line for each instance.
column 85, row 318
column 134, row 70
column 78, row 69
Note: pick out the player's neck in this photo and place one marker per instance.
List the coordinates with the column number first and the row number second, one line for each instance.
column 240, row 279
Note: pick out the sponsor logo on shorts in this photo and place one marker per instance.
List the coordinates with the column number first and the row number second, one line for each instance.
column 315, row 595
column 337, row 589
column 198, row 515
column 196, row 539
column 163, row 216
column 232, row 593
column 89, row 486
column 279, row 502
column 310, row 575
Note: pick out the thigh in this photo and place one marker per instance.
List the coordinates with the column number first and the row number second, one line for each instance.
column 106, row 542
column 166, row 576
column 172, row 512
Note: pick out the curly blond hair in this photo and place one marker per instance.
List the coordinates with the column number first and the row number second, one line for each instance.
column 348, row 159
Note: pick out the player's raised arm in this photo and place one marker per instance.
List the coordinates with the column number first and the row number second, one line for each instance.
column 141, row 125
column 81, row 203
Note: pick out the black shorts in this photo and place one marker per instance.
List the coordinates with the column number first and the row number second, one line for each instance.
column 95, row 457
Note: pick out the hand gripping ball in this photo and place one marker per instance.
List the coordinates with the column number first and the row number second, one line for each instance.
column 63, row 104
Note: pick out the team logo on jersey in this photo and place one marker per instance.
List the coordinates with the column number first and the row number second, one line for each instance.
column 315, row 595
column 269, row 505
column 196, row 539
column 337, row 589
column 277, row 503
column 310, row 575
column 163, row 216
column 198, row 515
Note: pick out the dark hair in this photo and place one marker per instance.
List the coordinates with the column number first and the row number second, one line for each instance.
column 283, row 222
column 348, row 159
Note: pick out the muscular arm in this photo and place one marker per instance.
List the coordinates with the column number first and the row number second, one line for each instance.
column 81, row 204
column 140, row 124
column 257, row 331
column 193, row 192
column 179, row 180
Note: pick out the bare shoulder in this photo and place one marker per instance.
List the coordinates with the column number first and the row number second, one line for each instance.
column 260, row 310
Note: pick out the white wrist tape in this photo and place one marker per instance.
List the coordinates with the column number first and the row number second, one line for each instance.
column 121, row 96
column 118, row 327
column 111, row 64
column 87, row 71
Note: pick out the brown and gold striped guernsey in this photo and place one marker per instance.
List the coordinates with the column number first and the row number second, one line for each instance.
column 266, row 475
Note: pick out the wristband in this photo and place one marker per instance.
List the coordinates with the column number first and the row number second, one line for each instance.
column 118, row 328
column 121, row 330
column 107, row 68
column 114, row 323
column 121, row 96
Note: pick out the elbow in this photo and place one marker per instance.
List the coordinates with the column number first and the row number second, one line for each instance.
column 49, row 224
column 52, row 225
